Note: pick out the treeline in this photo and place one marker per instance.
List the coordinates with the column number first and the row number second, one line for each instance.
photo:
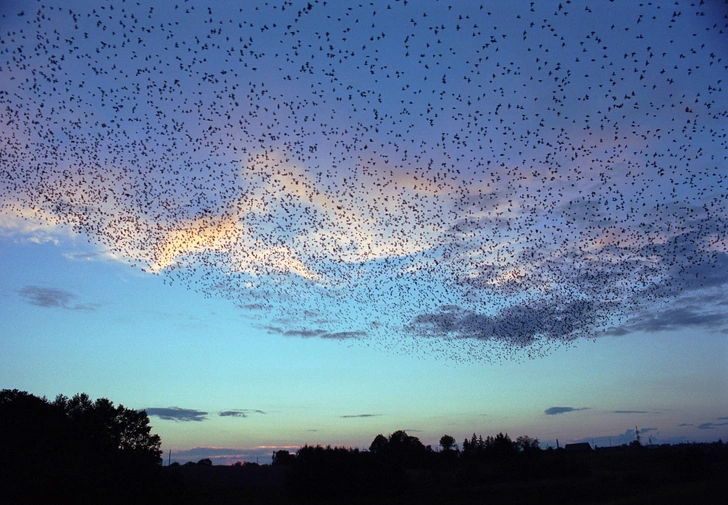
column 395, row 464
column 75, row 450
column 400, row 467
column 402, row 449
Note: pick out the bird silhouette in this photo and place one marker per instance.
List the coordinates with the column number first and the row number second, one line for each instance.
column 477, row 181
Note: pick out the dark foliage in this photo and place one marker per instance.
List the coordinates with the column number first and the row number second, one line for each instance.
column 283, row 458
column 499, row 448
column 399, row 450
column 81, row 451
column 447, row 443
column 321, row 474
column 399, row 469
column 74, row 450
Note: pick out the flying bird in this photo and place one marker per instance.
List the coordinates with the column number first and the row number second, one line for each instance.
column 478, row 184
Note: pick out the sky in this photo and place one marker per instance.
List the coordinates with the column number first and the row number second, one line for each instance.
column 288, row 223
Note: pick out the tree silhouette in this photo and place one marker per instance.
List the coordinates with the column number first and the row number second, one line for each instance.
column 448, row 443
column 500, row 447
column 400, row 449
column 124, row 432
column 527, row 445
column 283, row 458
column 73, row 450
column 379, row 444
column 320, row 474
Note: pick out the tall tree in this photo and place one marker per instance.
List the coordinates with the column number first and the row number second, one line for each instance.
column 73, row 450
column 447, row 443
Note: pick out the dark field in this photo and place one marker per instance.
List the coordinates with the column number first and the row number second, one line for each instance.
column 695, row 473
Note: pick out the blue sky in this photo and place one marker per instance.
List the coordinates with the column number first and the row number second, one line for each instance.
column 291, row 223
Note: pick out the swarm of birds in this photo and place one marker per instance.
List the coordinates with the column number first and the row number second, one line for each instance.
column 472, row 179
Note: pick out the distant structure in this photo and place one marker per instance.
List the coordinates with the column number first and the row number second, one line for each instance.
column 580, row 447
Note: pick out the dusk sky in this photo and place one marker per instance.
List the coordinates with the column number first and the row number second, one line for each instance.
column 272, row 224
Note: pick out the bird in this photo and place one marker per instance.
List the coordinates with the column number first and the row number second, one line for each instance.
column 473, row 183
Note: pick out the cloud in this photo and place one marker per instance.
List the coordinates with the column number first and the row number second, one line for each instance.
column 697, row 266
column 229, row 455
column 99, row 255
column 674, row 318
column 630, row 412
column 30, row 226
column 344, row 335
column 240, row 412
column 176, row 414
column 204, row 452
column 553, row 411
column 647, row 435
column 616, row 331
column 317, row 333
column 353, row 416
column 46, row 297
column 614, row 440
column 711, row 425
column 560, row 319
column 304, row 333
column 519, row 324
column 51, row 298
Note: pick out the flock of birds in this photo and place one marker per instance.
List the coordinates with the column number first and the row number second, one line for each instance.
column 477, row 180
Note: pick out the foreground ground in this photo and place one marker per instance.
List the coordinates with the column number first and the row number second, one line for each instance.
column 667, row 476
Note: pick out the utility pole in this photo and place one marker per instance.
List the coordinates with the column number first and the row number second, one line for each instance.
column 169, row 459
